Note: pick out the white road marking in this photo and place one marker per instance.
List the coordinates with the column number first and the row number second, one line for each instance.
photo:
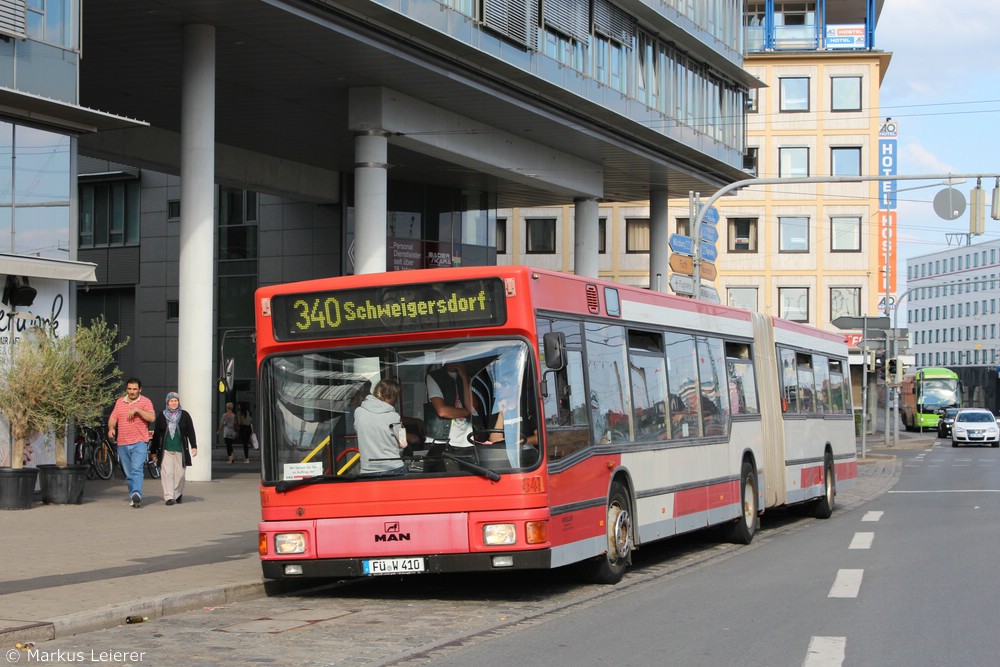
column 825, row 652
column 949, row 491
column 872, row 516
column 862, row 541
column 847, row 584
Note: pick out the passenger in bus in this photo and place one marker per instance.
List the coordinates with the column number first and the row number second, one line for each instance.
column 447, row 414
column 380, row 432
column 353, row 404
column 511, row 422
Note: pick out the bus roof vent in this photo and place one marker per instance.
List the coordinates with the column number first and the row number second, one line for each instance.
column 593, row 302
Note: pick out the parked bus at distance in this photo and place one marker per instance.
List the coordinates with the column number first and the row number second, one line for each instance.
column 604, row 417
column 925, row 393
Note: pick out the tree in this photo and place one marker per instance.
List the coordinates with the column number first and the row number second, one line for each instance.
column 53, row 381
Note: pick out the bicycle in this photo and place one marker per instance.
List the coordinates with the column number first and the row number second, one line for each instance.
column 94, row 450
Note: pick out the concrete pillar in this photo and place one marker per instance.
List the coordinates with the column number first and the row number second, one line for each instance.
column 659, row 240
column 371, row 150
column 195, row 377
column 585, row 255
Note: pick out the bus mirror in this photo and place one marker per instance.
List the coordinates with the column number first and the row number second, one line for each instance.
column 555, row 345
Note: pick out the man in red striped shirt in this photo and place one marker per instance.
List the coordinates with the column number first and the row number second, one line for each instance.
column 129, row 423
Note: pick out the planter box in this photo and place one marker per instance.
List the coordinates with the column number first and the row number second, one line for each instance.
column 17, row 488
column 62, row 486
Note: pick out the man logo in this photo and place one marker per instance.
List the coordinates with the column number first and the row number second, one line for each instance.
column 392, row 532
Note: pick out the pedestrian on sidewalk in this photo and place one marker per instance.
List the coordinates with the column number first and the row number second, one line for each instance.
column 245, row 420
column 174, row 445
column 128, row 425
column 228, row 428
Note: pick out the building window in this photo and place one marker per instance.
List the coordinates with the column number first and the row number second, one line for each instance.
column 845, row 161
column 752, row 97
column 845, row 301
column 793, row 162
column 173, row 310
column 636, row 235
column 541, row 236
column 750, row 160
column 109, row 214
column 793, row 94
column 501, row 236
column 845, row 234
column 845, row 93
column 602, row 236
column 683, row 227
column 742, row 235
column 793, row 303
column 174, row 209
column 742, row 297
column 793, row 234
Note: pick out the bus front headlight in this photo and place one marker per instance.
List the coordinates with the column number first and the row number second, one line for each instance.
column 289, row 543
column 499, row 534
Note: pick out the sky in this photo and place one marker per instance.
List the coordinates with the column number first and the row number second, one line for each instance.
column 943, row 88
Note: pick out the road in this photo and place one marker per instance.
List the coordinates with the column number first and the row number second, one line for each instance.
column 906, row 578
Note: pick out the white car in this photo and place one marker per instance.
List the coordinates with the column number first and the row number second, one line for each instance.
column 975, row 426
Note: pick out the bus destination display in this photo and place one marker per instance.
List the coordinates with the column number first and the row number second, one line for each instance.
column 384, row 310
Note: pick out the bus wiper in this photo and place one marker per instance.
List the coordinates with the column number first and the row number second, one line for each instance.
column 491, row 475
column 289, row 484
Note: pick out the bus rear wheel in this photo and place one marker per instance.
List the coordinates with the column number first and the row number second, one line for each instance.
column 823, row 507
column 741, row 531
column 610, row 567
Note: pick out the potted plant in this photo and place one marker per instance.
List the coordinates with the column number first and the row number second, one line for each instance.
column 50, row 382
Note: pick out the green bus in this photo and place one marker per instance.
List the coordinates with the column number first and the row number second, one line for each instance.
column 925, row 393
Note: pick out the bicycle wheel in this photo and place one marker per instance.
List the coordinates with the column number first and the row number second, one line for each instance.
column 104, row 460
column 87, row 459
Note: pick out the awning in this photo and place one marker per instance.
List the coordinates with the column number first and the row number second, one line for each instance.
column 43, row 267
column 56, row 113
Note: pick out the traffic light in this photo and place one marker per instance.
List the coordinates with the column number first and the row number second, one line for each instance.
column 891, row 367
column 977, row 210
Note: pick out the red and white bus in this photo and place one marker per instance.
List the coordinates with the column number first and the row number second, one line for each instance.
column 604, row 417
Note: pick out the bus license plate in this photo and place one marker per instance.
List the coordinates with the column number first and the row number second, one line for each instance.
column 393, row 566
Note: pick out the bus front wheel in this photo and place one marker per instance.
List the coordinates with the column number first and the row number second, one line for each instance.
column 610, row 567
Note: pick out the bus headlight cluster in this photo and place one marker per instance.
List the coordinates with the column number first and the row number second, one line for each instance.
column 289, row 543
column 499, row 534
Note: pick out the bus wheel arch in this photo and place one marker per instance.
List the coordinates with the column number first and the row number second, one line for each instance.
column 822, row 507
column 609, row 567
column 742, row 529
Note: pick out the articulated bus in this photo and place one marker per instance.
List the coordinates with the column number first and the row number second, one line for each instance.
column 604, row 417
column 925, row 394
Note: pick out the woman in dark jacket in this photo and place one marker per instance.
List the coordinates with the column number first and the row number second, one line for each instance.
column 173, row 446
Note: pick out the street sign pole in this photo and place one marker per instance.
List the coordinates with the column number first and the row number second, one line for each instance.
column 694, row 206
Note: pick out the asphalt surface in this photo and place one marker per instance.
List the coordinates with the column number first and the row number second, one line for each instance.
column 70, row 569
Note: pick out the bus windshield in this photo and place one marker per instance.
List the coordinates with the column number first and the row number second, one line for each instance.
column 334, row 415
column 939, row 394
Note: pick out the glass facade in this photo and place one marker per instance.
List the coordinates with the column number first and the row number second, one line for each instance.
column 35, row 168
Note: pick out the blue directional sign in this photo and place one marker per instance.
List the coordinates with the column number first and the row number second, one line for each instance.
column 709, row 252
column 711, row 216
column 709, row 234
column 681, row 244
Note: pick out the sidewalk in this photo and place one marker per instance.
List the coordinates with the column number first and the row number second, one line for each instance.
column 76, row 568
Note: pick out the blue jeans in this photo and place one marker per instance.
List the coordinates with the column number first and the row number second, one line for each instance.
column 133, row 458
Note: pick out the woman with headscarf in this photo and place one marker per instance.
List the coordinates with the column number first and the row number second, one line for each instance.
column 173, row 446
